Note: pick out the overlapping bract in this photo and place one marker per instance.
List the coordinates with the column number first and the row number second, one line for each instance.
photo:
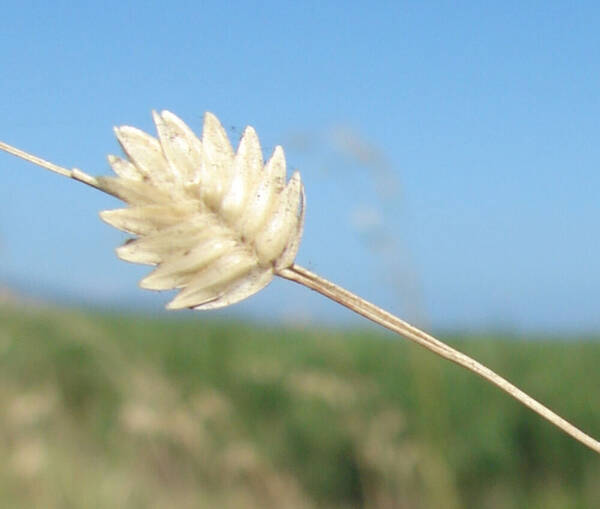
column 218, row 224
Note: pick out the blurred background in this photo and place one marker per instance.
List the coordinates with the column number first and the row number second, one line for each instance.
column 450, row 158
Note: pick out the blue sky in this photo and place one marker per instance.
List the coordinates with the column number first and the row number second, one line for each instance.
column 449, row 150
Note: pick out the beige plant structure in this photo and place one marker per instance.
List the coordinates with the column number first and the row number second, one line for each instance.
column 219, row 224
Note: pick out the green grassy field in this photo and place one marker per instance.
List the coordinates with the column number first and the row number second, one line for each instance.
column 101, row 410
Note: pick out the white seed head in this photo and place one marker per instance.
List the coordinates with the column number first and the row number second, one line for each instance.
column 218, row 225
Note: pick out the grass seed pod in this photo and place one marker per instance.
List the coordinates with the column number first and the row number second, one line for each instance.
column 219, row 225
column 191, row 214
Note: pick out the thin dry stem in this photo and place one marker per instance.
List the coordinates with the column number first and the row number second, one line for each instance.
column 393, row 323
column 368, row 310
column 74, row 173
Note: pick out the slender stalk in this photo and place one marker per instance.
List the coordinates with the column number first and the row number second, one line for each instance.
column 74, row 173
column 368, row 310
column 376, row 314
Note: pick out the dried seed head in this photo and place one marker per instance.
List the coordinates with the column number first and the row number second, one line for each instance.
column 218, row 224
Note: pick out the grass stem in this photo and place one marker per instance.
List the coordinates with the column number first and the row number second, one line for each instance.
column 368, row 310
column 74, row 173
column 376, row 314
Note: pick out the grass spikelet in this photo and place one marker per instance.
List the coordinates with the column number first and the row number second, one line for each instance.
column 219, row 225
